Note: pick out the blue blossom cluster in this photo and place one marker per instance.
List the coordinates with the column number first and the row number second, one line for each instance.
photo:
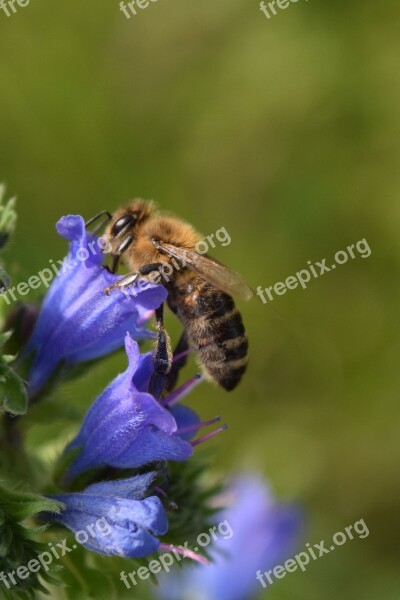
column 78, row 322
column 126, row 428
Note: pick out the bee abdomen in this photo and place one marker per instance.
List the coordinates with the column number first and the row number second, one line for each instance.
column 224, row 346
column 215, row 328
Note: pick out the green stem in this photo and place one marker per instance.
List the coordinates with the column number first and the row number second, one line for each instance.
column 12, row 452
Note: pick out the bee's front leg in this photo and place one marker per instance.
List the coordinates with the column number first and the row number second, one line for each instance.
column 132, row 277
column 122, row 283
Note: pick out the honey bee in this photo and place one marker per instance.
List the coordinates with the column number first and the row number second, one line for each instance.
column 199, row 288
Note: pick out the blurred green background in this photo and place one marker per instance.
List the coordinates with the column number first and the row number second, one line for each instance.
column 286, row 132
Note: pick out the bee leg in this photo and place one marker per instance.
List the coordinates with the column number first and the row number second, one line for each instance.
column 131, row 278
column 162, row 356
column 128, row 279
column 147, row 269
column 122, row 283
column 114, row 265
column 179, row 362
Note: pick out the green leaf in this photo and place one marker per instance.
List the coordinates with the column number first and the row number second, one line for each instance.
column 83, row 581
column 8, row 358
column 192, row 496
column 18, row 540
column 4, row 337
column 13, row 395
column 5, row 541
column 21, row 505
column 8, row 217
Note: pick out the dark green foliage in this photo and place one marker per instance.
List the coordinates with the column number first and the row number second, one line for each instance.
column 19, row 541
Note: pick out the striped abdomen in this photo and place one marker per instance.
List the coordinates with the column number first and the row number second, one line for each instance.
column 215, row 328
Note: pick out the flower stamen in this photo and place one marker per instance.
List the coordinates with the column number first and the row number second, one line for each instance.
column 196, row 426
column 181, row 391
column 185, row 553
column 208, row 436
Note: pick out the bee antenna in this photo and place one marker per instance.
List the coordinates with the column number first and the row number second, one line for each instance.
column 96, row 217
column 100, row 214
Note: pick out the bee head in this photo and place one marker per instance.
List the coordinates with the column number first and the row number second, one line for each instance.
column 125, row 223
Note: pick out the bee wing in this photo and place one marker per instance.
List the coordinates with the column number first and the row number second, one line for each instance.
column 209, row 269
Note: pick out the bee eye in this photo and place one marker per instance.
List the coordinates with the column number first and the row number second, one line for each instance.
column 122, row 223
column 125, row 244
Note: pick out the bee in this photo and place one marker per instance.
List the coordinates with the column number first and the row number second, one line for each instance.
column 199, row 288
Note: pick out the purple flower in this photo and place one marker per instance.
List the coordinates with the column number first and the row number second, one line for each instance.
column 115, row 517
column 78, row 322
column 254, row 534
column 126, row 427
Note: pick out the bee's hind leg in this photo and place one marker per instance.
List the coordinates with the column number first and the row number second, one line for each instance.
column 162, row 357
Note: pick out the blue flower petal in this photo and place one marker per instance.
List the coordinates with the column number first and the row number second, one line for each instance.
column 78, row 322
column 256, row 534
column 126, row 428
column 129, row 526
column 141, row 379
column 185, row 417
column 134, row 488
